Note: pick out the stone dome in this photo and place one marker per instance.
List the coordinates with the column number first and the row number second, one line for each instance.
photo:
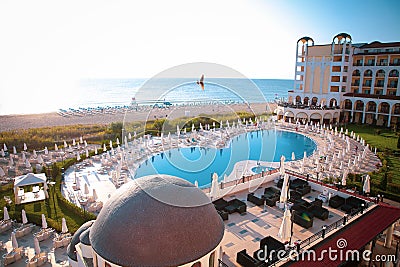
column 76, row 239
column 157, row 220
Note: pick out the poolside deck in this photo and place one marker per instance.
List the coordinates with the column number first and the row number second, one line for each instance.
column 244, row 231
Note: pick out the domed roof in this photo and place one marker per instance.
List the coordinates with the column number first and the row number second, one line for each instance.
column 84, row 237
column 158, row 220
column 75, row 240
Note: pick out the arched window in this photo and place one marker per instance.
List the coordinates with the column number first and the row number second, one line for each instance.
column 305, row 100
column 356, row 73
column 394, row 73
column 368, row 73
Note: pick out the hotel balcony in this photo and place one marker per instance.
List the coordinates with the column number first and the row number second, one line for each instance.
column 382, row 64
column 369, row 64
column 355, row 84
column 357, row 63
column 392, row 85
column 394, row 64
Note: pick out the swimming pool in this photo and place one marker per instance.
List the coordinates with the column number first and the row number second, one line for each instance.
column 260, row 169
column 198, row 163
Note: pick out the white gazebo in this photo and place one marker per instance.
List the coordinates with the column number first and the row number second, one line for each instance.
column 37, row 191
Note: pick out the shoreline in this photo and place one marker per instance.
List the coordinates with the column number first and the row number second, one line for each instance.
column 29, row 121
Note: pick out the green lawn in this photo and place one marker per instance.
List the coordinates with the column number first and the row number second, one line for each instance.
column 386, row 141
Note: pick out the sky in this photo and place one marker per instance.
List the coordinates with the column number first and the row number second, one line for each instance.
column 47, row 45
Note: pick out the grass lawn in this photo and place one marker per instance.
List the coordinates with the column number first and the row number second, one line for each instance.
column 386, row 141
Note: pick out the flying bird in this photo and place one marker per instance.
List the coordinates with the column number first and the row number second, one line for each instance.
column 201, row 82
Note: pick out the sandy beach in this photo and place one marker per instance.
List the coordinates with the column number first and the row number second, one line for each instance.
column 15, row 122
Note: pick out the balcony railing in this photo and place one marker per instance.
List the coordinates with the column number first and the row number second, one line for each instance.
column 367, row 85
column 359, row 107
column 371, row 109
column 355, row 84
column 357, row 63
column 370, row 64
column 381, row 63
column 379, row 85
column 394, row 64
column 393, row 76
column 393, row 85
column 384, row 110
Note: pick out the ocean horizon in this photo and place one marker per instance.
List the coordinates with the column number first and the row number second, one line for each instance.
column 94, row 93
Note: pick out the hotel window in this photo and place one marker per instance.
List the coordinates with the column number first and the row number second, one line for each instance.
column 370, row 62
column 368, row 83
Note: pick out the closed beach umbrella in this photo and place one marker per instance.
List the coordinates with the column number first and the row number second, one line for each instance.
column 129, row 136
column 214, row 193
column 5, row 147
column 110, row 143
column 95, row 197
column 14, row 150
column 55, row 147
column 95, row 150
column 46, row 151
column 126, row 141
column 366, row 186
column 344, row 178
column 65, row 145
column 73, row 142
column 87, row 153
column 118, row 141
column 282, row 167
column 36, row 245
column 78, row 157
column 285, row 230
column 14, row 241
column 178, row 131
column 77, row 183
column 44, row 222
column 104, row 148
column 285, row 189
column 85, row 143
column 2, row 153
column 64, row 228
column 6, row 217
column 25, row 147
column 24, row 218
column 293, row 156
column 81, row 139
column 86, row 189
column 2, row 173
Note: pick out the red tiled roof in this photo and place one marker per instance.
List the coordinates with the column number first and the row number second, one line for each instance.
column 357, row 234
column 377, row 44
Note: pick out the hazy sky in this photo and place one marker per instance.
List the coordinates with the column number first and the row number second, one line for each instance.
column 44, row 44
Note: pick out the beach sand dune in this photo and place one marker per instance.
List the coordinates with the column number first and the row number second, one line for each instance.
column 15, row 122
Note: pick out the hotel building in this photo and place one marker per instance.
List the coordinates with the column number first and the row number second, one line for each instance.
column 345, row 82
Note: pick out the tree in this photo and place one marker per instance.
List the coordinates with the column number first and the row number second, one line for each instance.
column 384, row 181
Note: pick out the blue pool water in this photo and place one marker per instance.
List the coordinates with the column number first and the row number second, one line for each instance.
column 198, row 163
column 260, row 169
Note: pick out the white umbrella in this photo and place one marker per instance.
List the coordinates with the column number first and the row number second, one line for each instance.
column 95, row 197
column 118, row 141
column 2, row 173
column 285, row 230
column 14, row 241
column 86, row 189
column 87, row 153
column 25, row 147
column 73, row 142
column 24, row 218
column 36, row 245
column 214, row 193
column 126, row 141
column 64, row 228
column 2, row 153
column 81, row 139
column 285, row 189
column 14, row 150
column 6, row 217
column 95, row 150
column 78, row 157
column 44, row 222
column 282, row 167
column 85, row 143
column 366, row 186
column 46, row 151
column 5, row 147
column 293, row 156
column 344, row 178
column 104, row 148
column 55, row 147
column 78, row 183
column 111, row 143
column 65, row 144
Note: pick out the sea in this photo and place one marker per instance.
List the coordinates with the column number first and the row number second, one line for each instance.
column 103, row 93
column 121, row 92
